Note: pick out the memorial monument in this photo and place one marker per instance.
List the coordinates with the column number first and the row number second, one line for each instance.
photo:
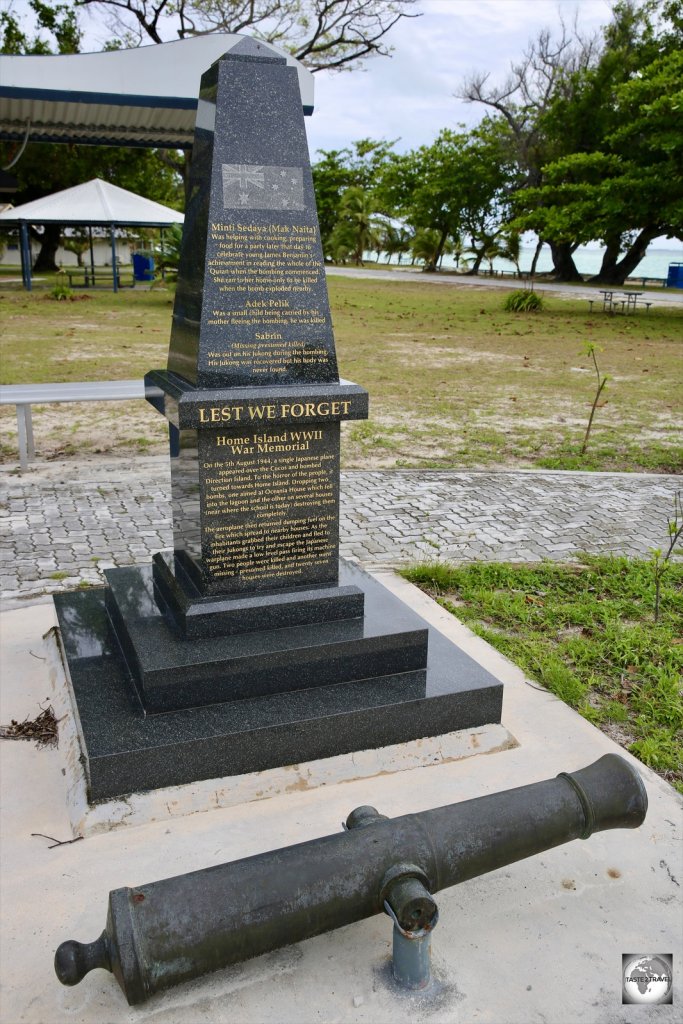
column 250, row 646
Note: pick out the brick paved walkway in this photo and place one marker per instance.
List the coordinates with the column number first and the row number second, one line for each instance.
column 62, row 523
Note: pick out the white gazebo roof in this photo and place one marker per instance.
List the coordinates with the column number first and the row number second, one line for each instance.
column 96, row 202
column 141, row 97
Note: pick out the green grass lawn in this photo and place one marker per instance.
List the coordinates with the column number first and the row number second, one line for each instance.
column 454, row 381
column 587, row 633
column 99, row 335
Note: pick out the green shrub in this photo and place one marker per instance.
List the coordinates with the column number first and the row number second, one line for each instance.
column 61, row 292
column 523, row 301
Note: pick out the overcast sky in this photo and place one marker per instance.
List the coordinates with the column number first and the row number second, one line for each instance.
column 411, row 94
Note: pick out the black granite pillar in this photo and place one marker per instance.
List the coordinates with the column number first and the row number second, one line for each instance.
column 249, row 645
column 252, row 381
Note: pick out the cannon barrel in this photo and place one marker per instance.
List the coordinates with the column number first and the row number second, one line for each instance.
column 170, row 931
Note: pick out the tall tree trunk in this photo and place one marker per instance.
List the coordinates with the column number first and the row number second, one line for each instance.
column 431, row 265
column 564, row 268
column 609, row 259
column 49, row 243
column 617, row 272
column 474, row 269
column 539, row 245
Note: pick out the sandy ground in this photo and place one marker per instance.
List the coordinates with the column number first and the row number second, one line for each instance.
column 88, row 429
column 133, row 428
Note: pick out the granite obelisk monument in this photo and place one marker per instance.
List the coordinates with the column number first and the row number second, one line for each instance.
column 249, row 645
column 252, row 381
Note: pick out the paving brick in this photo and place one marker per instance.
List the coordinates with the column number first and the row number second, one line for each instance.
column 121, row 515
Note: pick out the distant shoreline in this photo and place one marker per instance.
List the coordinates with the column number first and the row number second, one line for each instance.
column 654, row 265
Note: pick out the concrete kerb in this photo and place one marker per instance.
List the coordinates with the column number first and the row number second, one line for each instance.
column 540, row 940
column 666, row 296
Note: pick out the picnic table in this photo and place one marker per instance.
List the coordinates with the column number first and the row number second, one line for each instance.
column 612, row 299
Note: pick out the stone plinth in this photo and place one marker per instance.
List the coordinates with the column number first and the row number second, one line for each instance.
column 248, row 647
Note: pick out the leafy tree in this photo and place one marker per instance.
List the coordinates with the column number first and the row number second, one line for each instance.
column 622, row 181
column 491, row 243
column 60, row 21
column 544, row 72
column 320, row 33
column 168, row 258
column 341, row 243
column 77, row 242
column 427, row 245
column 595, row 126
column 331, row 176
column 47, row 168
column 418, row 186
column 459, row 185
column 340, row 169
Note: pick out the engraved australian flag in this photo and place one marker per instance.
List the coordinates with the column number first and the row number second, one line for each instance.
column 262, row 187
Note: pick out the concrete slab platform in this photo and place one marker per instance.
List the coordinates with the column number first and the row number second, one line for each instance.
column 538, row 941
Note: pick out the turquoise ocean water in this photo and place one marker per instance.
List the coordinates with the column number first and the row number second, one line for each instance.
column 587, row 259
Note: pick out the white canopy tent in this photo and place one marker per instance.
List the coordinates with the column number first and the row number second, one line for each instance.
column 94, row 204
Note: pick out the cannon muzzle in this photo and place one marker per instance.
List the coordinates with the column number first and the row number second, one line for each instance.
column 170, row 931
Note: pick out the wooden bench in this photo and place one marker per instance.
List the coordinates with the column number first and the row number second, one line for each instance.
column 644, row 281
column 84, row 278
column 23, row 396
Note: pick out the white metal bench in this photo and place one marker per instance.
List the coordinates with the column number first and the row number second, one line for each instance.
column 23, row 396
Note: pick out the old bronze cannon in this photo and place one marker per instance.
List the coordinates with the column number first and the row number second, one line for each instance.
column 160, row 934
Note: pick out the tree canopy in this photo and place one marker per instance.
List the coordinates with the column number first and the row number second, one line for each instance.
column 615, row 167
column 331, row 34
column 582, row 141
column 339, row 170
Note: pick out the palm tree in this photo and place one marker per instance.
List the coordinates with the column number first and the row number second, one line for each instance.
column 169, row 255
column 396, row 240
column 358, row 219
column 429, row 246
column 486, row 246
column 511, row 249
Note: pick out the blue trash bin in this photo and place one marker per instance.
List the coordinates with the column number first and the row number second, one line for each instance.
column 675, row 276
column 143, row 267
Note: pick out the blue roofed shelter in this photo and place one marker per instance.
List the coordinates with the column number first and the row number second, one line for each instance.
column 145, row 96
